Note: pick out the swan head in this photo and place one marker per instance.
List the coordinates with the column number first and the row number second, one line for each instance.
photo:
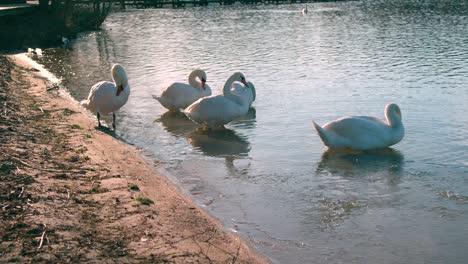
column 393, row 114
column 240, row 77
column 201, row 75
column 120, row 78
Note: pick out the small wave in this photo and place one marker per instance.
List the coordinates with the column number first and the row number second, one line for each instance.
column 453, row 196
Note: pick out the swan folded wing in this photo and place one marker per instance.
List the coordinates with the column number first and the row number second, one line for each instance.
column 102, row 98
column 362, row 132
column 214, row 110
column 180, row 95
column 244, row 93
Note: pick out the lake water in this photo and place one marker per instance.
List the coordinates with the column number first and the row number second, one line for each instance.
column 268, row 176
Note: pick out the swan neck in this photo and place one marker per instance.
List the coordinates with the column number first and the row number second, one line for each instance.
column 120, row 79
column 393, row 120
column 192, row 79
column 227, row 86
column 227, row 89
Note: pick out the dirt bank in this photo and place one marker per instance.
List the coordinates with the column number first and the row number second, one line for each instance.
column 71, row 193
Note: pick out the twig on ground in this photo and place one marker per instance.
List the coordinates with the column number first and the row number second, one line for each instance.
column 21, row 193
column 42, row 237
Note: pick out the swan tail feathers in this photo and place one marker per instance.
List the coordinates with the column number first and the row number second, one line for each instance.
column 156, row 97
column 324, row 135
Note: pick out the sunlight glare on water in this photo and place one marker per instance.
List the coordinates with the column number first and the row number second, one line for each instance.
column 268, row 175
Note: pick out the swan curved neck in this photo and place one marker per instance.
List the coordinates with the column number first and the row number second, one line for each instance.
column 192, row 79
column 392, row 119
column 120, row 79
column 227, row 89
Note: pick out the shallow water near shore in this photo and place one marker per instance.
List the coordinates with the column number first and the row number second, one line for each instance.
column 268, row 176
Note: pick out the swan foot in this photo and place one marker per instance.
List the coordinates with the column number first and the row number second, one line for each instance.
column 99, row 120
column 113, row 121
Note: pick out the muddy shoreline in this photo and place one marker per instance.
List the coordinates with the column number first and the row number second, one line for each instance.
column 72, row 193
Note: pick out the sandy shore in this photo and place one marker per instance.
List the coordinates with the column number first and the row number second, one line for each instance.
column 72, row 193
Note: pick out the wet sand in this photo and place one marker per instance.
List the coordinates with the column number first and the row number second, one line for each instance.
column 72, row 193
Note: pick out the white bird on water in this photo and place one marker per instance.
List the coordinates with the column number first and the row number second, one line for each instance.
column 304, row 10
column 105, row 97
column 245, row 92
column 218, row 110
column 363, row 132
column 180, row 95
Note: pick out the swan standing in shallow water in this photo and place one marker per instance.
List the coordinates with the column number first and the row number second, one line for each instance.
column 180, row 95
column 105, row 97
column 245, row 92
column 218, row 110
column 363, row 132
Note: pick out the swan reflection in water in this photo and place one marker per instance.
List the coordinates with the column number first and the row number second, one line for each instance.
column 176, row 123
column 179, row 124
column 224, row 143
column 219, row 142
column 247, row 120
column 386, row 162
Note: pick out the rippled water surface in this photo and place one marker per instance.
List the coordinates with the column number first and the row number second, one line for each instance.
column 268, row 175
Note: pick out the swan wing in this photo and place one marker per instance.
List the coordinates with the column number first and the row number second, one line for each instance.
column 362, row 132
column 245, row 94
column 179, row 96
column 101, row 97
column 214, row 110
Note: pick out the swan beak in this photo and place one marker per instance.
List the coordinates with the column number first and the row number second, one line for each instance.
column 245, row 83
column 203, row 81
column 119, row 90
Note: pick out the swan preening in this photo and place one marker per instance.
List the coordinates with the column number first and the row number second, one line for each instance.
column 245, row 92
column 180, row 95
column 105, row 97
column 218, row 110
column 363, row 132
column 353, row 132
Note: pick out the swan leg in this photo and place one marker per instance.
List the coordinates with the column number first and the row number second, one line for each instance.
column 99, row 119
column 113, row 120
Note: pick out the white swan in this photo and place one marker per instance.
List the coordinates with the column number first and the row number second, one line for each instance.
column 363, row 132
column 218, row 110
column 105, row 97
column 180, row 95
column 304, row 10
column 245, row 92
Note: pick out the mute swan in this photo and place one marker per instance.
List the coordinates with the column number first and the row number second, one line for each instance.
column 245, row 92
column 218, row 110
column 363, row 132
column 105, row 97
column 180, row 95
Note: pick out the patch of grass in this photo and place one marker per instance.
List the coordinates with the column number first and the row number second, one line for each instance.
column 133, row 187
column 48, row 131
column 68, row 112
column 75, row 126
column 97, row 189
column 74, row 158
column 144, row 200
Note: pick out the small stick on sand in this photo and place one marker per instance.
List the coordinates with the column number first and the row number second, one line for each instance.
column 42, row 237
column 21, row 193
